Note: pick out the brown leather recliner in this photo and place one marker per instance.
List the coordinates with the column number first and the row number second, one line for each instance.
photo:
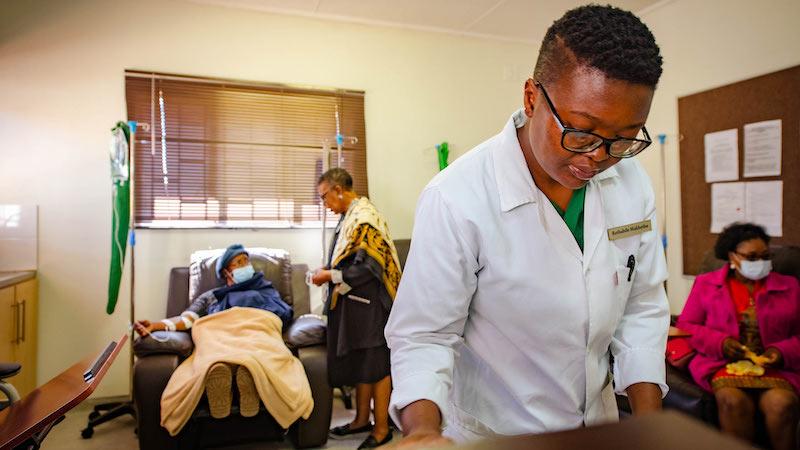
column 153, row 369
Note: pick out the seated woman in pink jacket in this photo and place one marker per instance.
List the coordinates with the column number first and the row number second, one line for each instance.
column 744, row 311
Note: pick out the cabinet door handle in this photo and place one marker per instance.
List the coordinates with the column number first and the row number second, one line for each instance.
column 22, row 338
column 16, row 322
column 16, row 333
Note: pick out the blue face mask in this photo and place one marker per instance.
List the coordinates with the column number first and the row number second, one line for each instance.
column 243, row 274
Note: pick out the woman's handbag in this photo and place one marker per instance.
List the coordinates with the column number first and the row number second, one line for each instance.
column 679, row 352
column 679, row 349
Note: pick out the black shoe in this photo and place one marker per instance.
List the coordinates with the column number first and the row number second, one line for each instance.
column 370, row 441
column 344, row 430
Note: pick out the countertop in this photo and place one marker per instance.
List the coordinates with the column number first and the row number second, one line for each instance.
column 11, row 278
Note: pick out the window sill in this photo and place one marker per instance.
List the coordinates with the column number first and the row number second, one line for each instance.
column 259, row 225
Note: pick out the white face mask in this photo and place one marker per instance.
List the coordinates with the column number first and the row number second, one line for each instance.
column 755, row 270
column 243, row 274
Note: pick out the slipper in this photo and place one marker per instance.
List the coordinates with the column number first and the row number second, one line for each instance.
column 344, row 430
column 249, row 401
column 218, row 390
column 371, row 442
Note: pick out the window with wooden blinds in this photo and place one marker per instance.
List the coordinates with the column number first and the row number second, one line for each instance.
column 230, row 154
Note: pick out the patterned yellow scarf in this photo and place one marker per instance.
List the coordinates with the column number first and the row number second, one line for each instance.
column 364, row 228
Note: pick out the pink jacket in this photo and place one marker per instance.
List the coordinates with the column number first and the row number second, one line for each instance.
column 709, row 314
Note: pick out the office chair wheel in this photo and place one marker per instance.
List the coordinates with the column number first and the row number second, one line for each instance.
column 86, row 433
column 94, row 415
column 347, row 396
column 348, row 401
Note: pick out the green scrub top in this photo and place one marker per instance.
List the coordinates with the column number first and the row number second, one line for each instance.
column 573, row 216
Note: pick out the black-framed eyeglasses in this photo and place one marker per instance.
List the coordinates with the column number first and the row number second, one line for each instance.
column 322, row 196
column 755, row 256
column 580, row 141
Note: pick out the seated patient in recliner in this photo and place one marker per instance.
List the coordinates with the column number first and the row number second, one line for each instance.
column 243, row 288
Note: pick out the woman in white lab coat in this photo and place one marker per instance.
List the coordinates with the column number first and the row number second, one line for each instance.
column 536, row 255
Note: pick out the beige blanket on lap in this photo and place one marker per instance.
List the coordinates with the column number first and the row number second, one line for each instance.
column 250, row 338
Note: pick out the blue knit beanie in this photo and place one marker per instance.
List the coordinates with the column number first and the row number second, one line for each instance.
column 230, row 253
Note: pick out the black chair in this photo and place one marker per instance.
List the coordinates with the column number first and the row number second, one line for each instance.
column 8, row 370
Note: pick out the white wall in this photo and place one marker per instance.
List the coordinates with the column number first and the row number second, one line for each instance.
column 707, row 44
column 62, row 88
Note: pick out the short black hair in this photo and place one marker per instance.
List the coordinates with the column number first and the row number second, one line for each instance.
column 609, row 39
column 337, row 177
column 735, row 234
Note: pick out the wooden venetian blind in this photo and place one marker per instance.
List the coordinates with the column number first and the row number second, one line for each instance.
column 222, row 153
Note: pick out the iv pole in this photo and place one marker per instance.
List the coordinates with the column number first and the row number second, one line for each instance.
column 662, row 141
column 105, row 412
column 326, row 150
column 340, row 139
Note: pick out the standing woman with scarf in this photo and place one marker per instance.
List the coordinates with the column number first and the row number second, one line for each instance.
column 362, row 276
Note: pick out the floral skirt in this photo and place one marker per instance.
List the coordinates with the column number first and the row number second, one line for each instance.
column 771, row 379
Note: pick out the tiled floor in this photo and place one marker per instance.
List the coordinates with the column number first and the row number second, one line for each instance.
column 118, row 434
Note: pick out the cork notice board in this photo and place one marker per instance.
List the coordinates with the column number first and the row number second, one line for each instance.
column 772, row 96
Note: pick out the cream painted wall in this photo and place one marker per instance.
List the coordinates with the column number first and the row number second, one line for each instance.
column 707, row 44
column 62, row 88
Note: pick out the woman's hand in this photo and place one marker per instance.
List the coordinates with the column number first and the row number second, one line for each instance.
column 733, row 350
column 774, row 358
column 321, row 277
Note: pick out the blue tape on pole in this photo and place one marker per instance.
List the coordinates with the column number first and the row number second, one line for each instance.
column 133, row 238
column 339, row 139
column 132, row 124
column 662, row 138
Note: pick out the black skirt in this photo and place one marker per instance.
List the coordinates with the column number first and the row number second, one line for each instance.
column 357, row 351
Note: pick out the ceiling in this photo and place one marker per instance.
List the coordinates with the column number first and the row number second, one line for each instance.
column 513, row 20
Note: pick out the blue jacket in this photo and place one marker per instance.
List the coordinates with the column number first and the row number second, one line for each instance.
column 253, row 293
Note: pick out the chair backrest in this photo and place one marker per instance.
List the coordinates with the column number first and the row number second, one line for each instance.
column 402, row 246
column 178, row 294
column 785, row 260
column 275, row 263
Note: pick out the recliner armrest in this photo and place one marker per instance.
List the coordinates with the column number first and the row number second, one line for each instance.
column 150, row 377
column 686, row 396
column 174, row 343
column 313, row 432
column 305, row 331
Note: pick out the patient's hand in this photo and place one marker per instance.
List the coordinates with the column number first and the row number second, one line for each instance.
column 143, row 327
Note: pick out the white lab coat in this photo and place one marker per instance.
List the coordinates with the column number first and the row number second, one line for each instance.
column 503, row 322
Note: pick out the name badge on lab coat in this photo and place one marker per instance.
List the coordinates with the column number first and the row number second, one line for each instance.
column 628, row 230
